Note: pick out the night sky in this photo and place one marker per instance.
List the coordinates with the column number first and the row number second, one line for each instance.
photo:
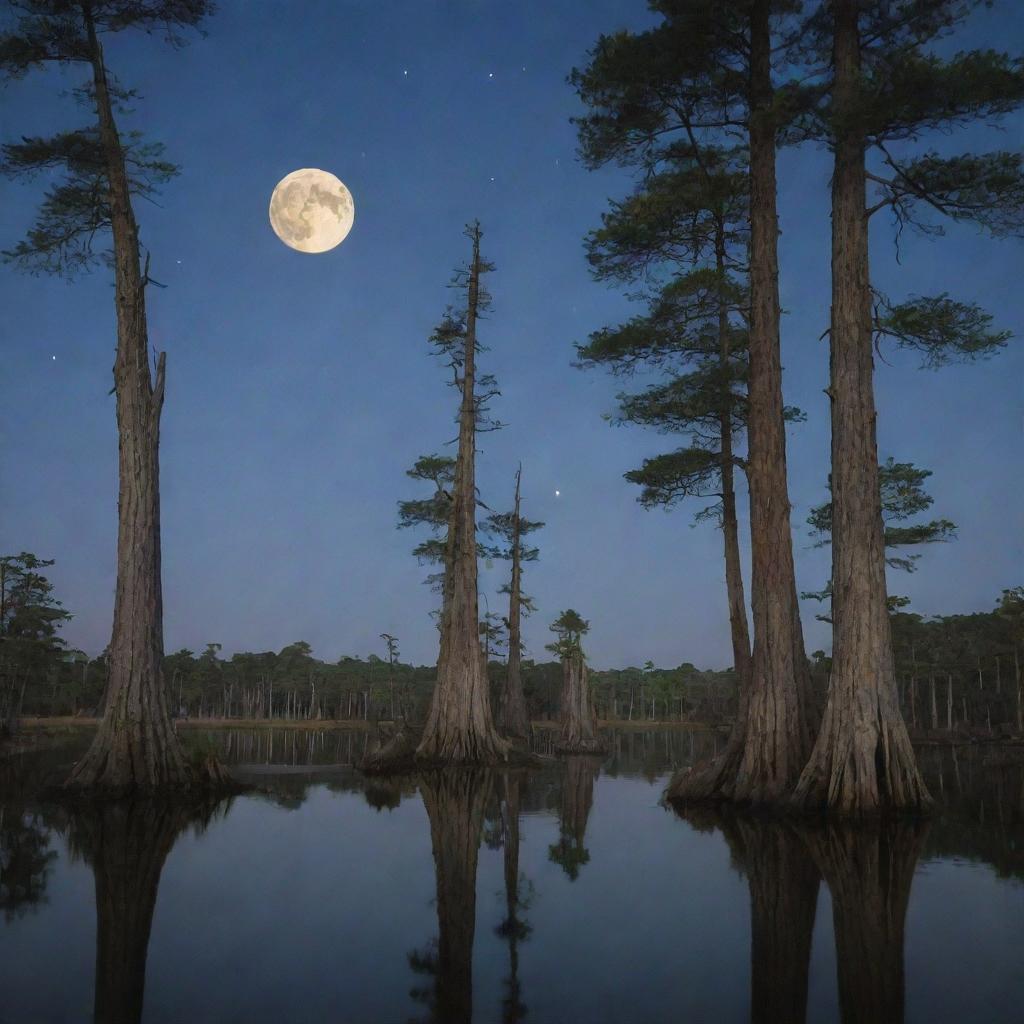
column 301, row 387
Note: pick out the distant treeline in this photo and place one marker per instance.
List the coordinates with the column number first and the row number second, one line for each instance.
column 292, row 685
column 956, row 673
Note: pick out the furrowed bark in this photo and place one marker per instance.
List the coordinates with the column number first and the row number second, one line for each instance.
column 460, row 728
column 579, row 723
column 769, row 744
column 738, row 627
column 862, row 762
column 135, row 747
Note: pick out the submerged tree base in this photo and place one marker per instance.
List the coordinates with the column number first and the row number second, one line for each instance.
column 118, row 766
column 401, row 753
column 392, row 755
column 863, row 764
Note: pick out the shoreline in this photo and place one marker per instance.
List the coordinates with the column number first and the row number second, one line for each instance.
column 31, row 722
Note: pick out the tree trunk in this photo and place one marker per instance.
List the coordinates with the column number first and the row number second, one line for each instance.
column 135, row 747
column 1020, row 692
column 738, row 628
column 772, row 735
column 862, row 762
column 949, row 703
column 935, row 705
column 512, row 716
column 460, row 728
column 579, row 723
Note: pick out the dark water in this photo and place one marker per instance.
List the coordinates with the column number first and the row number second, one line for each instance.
column 558, row 895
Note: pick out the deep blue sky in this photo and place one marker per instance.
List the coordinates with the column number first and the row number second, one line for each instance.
column 300, row 387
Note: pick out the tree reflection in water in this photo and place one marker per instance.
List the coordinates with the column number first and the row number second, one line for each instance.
column 514, row 928
column 868, row 868
column 25, row 860
column 577, row 797
column 126, row 843
column 455, row 800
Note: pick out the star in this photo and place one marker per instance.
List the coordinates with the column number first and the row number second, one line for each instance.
column 490, row 74
column 54, row 358
column 405, row 71
column 558, row 494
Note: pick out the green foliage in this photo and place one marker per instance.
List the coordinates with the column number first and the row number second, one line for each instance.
column 668, row 479
column 493, row 635
column 906, row 93
column 502, row 527
column 979, row 655
column 941, row 329
column 903, row 496
column 75, row 211
column 570, row 628
column 672, row 102
column 31, row 649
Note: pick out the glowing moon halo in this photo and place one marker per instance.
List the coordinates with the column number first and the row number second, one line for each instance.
column 311, row 210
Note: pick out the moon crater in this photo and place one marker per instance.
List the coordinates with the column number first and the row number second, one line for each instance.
column 311, row 210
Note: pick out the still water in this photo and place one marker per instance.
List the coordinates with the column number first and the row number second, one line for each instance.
column 556, row 895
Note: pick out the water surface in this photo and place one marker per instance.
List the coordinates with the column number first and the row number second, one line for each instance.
column 563, row 894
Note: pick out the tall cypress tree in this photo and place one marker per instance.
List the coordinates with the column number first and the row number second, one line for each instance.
column 704, row 75
column 460, row 727
column 887, row 91
column 135, row 747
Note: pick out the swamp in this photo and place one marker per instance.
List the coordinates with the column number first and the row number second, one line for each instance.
column 564, row 892
column 522, row 523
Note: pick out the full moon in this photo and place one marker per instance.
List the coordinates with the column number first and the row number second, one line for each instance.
column 311, row 210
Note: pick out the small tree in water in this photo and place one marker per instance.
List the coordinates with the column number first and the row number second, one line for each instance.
column 460, row 728
column 579, row 723
column 135, row 747
column 510, row 528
